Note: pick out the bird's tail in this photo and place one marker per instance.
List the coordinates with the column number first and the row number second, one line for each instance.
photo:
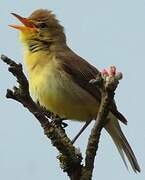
column 113, row 128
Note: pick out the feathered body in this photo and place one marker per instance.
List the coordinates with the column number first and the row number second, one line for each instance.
column 59, row 78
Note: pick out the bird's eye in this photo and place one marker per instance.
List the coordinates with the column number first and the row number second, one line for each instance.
column 42, row 25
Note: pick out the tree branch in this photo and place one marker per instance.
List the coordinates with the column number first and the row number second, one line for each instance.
column 108, row 85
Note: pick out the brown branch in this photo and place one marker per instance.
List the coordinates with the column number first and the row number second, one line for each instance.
column 70, row 158
column 108, row 88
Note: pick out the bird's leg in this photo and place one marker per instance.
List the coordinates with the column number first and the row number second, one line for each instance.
column 58, row 120
column 81, row 131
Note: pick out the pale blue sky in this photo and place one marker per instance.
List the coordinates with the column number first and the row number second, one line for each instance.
column 106, row 32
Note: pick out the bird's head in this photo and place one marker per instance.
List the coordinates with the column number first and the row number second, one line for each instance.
column 42, row 26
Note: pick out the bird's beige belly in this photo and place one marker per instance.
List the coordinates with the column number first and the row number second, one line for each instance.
column 57, row 93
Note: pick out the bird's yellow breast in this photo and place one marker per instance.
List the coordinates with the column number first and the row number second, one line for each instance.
column 55, row 90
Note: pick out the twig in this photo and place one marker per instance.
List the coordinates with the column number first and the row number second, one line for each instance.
column 108, row 84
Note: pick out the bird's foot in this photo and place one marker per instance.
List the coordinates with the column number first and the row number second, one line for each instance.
column 58, row 121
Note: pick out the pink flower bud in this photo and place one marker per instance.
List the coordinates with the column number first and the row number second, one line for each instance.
column 104, row 73
column 112, row 70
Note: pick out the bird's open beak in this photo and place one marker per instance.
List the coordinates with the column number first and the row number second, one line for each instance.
column 27, row 23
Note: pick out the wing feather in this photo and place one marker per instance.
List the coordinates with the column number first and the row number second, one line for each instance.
column 82, row 72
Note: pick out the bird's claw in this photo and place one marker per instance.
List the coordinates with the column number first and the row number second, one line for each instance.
column 59, row 122
column 56, row 120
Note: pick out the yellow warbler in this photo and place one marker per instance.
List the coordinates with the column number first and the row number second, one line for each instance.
column 59, row 78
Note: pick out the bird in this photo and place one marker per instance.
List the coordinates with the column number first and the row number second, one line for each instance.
column 59, row 78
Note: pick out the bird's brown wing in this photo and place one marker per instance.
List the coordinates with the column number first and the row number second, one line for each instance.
column 82, row 72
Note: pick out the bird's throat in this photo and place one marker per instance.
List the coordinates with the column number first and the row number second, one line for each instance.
column 37, row 45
